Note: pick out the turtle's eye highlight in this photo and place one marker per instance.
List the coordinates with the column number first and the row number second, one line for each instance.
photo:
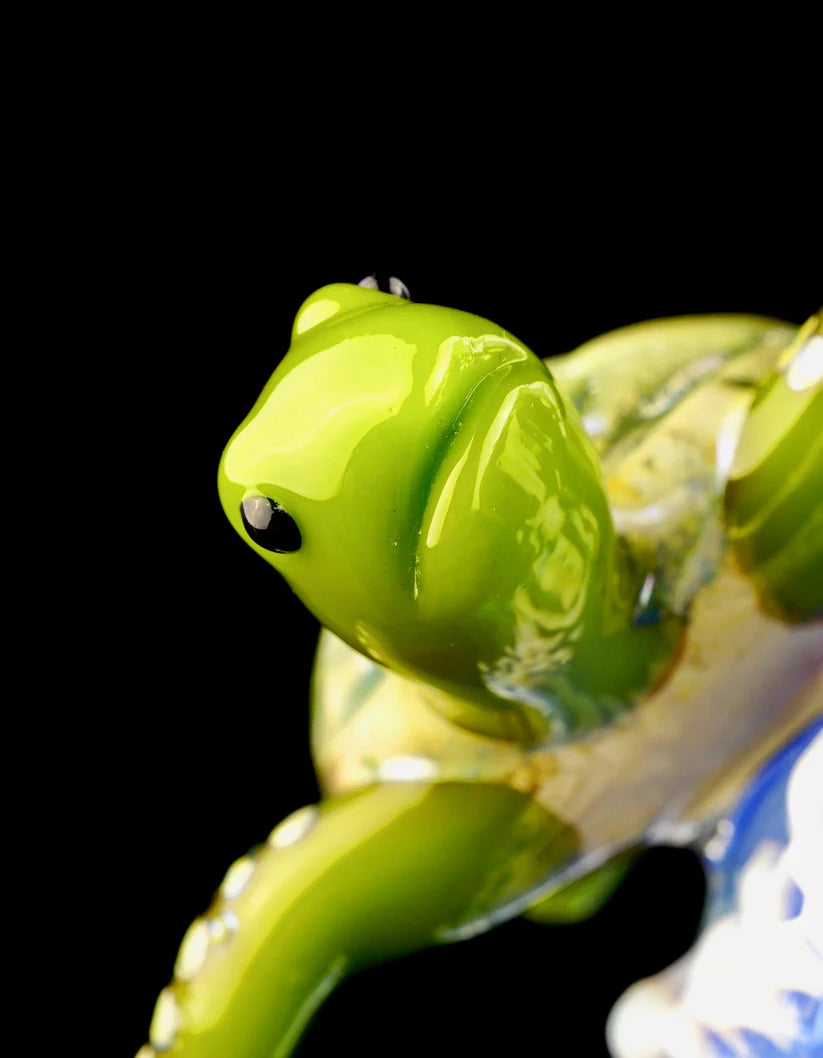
column 269, row 525
column 391, row 286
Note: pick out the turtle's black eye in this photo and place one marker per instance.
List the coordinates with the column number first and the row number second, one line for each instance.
column 269, row 525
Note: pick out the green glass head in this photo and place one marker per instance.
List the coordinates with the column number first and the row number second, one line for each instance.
column 415, row 475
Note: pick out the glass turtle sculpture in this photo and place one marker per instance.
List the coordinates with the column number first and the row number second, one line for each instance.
column 568, row 610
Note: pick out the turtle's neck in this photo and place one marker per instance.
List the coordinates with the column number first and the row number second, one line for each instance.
column 586, row 636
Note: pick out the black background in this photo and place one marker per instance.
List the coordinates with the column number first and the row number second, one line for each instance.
column 197, row 656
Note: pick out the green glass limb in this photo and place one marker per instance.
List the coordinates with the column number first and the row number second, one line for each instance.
column 585, row 896
column 357, row 880
column 774, row 498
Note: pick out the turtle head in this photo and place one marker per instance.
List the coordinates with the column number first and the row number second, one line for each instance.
column 415, row 475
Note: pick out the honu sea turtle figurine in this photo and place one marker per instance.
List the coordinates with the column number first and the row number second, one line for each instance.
column 569, row 609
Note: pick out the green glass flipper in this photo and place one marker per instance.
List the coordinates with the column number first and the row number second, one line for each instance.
column 360, row 879
column 774, row 498
column 582, row 898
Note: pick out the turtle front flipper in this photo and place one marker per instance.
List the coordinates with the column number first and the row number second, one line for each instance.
column 359, row 879
column 774, row 497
